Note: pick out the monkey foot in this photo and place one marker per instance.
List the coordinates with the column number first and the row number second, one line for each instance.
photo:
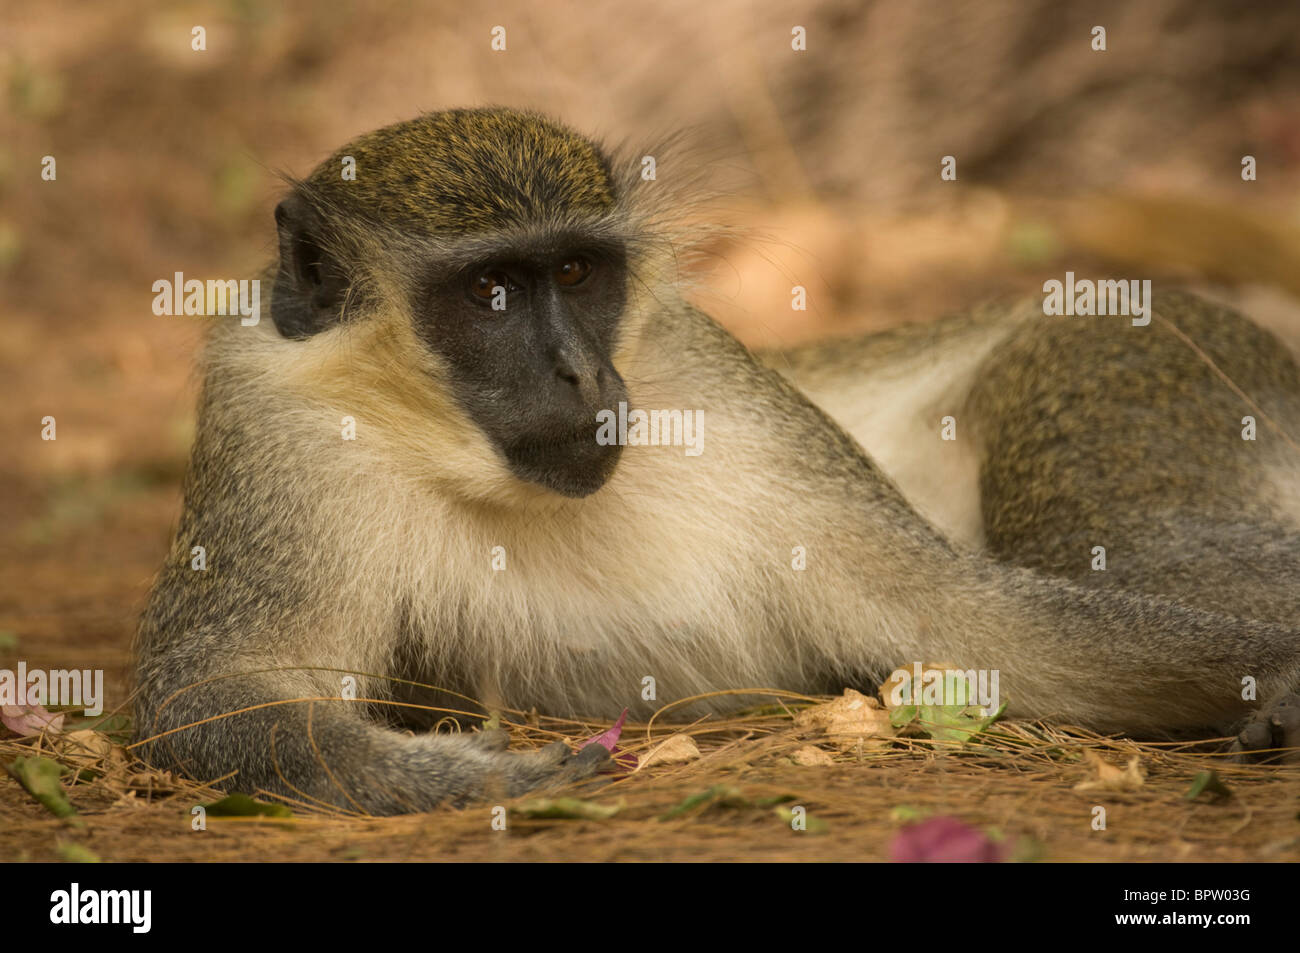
column 1276, row 726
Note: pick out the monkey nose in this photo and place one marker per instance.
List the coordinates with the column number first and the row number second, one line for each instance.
column 580, row 378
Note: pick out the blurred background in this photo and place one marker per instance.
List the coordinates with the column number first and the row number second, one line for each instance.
column 1118, row 163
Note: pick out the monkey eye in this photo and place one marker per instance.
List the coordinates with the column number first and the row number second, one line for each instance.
column 484, row 284
column 572, row 272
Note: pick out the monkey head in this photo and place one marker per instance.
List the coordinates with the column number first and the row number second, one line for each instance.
column 481, row 256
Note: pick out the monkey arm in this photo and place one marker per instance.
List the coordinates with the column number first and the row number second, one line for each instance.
column 241, row 662
column 260, row 735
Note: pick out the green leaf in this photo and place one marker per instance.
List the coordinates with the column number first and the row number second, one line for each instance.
column 955, row 723
column 1207, row 782
column 902, row 715
column 40, row 778
column 117, row 727
column 907, row 814
column 76, row 854
column 566, row 808
column 1027, row 850
column 241, row 805
column 812, row 825
column 775, row 800
column 726, row 796
column 719, row 792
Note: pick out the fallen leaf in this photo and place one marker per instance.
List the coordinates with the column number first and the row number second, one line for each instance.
column 241, row 805
column 1208, row 782
column 29, row 720
column 723, row 794
column 945, row 722
column 811, row 825
column 150, row 781
column 912, row 710
column 118, row 727
column 944, row 840
column 726, row 796
column 566, row 808
column 77, row 854
column 85, row 751
column 1027, row 850
column 810, row 755
column 673, row 750
column 907, row 814
column 40, row 778
column 896, row 690
column 1110, row 778
column 848, row 720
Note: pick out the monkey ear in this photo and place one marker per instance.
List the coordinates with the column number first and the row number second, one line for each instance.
column 310, row 286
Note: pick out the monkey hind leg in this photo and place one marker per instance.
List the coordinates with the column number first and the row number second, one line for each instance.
column 1115, row 455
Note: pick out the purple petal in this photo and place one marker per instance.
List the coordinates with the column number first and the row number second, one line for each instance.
column 943, row 840
column 29, row 720
column 608, row 738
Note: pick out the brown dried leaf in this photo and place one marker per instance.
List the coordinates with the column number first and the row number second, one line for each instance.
column 810, row 755
column 673, row 750
column 85, row 750
column 151, row 781
column 1110, row 778
column 848, row 720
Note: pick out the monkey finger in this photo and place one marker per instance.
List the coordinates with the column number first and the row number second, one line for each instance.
column 1254, row 736
column 1285, row 720
column 555, row 753
column 592, row 755
column 1277, row 726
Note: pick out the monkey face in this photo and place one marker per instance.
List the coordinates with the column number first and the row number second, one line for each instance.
column 528, row 336
column 497, row 229
column 524, row 331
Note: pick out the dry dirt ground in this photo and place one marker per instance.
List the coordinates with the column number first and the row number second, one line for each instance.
column 1024, row 786
column 166, row 163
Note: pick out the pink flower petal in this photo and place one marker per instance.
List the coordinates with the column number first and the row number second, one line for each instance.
column 943, row 840
column 608, row 739
column 29, row 720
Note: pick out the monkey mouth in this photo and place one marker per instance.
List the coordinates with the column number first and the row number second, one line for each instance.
column 570, row 462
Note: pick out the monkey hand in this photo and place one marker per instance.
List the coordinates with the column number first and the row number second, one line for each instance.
column 554, row 764
column 425, row 772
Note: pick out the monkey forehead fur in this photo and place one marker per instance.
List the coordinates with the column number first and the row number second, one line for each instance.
column 461, row 185
column 470, row 170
